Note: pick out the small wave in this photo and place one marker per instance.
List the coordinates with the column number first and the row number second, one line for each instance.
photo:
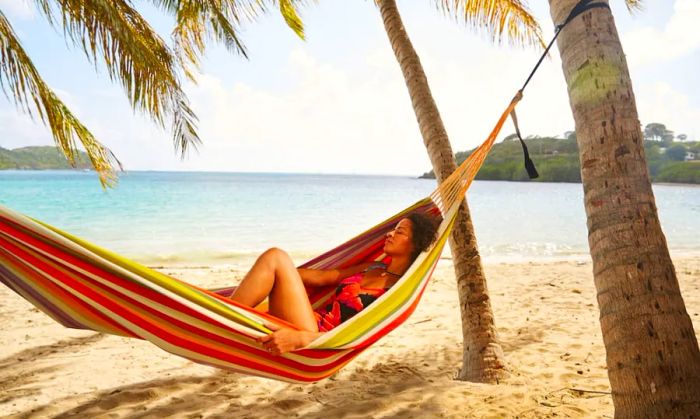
column 208, row 258
column 532, row 249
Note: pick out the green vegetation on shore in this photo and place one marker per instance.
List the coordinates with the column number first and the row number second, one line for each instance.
column 39, row 158
column 557, row 159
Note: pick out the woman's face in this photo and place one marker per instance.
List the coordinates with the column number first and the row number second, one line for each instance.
column 399, row 241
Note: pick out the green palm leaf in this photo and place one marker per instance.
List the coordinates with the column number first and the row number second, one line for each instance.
column 201, row 20
column 133, row 53
column 634, row 5
column 21, row 83
column 502, row 19
column 288, row 8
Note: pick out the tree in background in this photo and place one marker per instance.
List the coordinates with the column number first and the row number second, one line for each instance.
column 482, row 353
column 570, row 135
column 135, row 55
column 510, row 137
column 652, row 353
column 676, row 152
column 658, row 132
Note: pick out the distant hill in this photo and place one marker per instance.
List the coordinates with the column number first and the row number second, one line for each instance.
column 557, row 160
column 39, row 158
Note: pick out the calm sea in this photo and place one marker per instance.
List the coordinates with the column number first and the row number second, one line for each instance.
column 210, row 218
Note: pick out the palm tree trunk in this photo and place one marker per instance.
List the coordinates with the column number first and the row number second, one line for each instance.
column 482, row 357
column 652, row 351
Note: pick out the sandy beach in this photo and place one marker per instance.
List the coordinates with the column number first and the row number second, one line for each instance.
column 546, row 313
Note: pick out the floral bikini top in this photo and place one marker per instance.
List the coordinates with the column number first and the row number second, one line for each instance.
column 349, row 299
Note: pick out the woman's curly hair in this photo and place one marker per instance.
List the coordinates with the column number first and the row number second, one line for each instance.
column 424, row 232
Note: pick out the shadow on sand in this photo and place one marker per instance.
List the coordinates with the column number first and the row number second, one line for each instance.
column 395, row 389
column 21, row 374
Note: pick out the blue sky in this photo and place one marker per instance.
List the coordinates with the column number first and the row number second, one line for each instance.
column 337, row 103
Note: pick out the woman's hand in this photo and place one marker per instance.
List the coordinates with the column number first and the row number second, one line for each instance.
column 283, row 339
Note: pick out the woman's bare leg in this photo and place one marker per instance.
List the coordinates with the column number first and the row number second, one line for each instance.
column 274, row 275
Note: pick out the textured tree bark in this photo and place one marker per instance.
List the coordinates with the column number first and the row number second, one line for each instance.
column 652, row 351
column 483, row 359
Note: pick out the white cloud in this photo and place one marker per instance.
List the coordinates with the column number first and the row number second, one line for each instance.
column 658, row 102
column 21, row 9
column 328, row 120
column 678, row 38
column 20, row 130
column 473, row 89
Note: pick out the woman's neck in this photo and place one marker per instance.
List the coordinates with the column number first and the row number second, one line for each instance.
column 398, row 265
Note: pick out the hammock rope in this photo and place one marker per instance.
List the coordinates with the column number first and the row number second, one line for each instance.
column 580, row 7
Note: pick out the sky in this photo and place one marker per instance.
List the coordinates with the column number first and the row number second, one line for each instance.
column 337, row 102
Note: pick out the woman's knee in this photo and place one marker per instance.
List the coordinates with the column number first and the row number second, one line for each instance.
column 275, row 254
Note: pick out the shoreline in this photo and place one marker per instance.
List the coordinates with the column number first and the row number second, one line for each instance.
column 410, row 176
column 564, row 181
column 694, row 185
column 243, row 262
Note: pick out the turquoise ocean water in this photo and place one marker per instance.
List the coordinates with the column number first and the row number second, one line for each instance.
column 211, row 218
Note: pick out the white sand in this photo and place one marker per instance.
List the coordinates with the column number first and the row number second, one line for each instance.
column 546, row 314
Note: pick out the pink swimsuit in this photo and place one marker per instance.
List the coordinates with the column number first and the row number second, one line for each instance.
column 349, row 299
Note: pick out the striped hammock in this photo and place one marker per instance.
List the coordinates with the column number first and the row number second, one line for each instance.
column 83, row 286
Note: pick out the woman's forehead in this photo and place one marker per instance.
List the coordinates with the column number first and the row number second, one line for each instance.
column 405, row 223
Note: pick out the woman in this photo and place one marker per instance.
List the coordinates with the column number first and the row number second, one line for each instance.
column 274, row 275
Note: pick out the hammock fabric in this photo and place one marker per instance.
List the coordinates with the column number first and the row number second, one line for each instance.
column 84, row 286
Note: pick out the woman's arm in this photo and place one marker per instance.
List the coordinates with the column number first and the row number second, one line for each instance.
column 322, row 277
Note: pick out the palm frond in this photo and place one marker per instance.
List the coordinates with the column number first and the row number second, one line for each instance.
column 198, row 21
column 288, row 8
column 634, row 5
column 134, row 54
column 22, row 84
column 220, row 20
column 184, row 126
column 502, row 19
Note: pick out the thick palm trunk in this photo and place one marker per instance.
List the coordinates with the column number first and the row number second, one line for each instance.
column 652, row 352
column 483, row 356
